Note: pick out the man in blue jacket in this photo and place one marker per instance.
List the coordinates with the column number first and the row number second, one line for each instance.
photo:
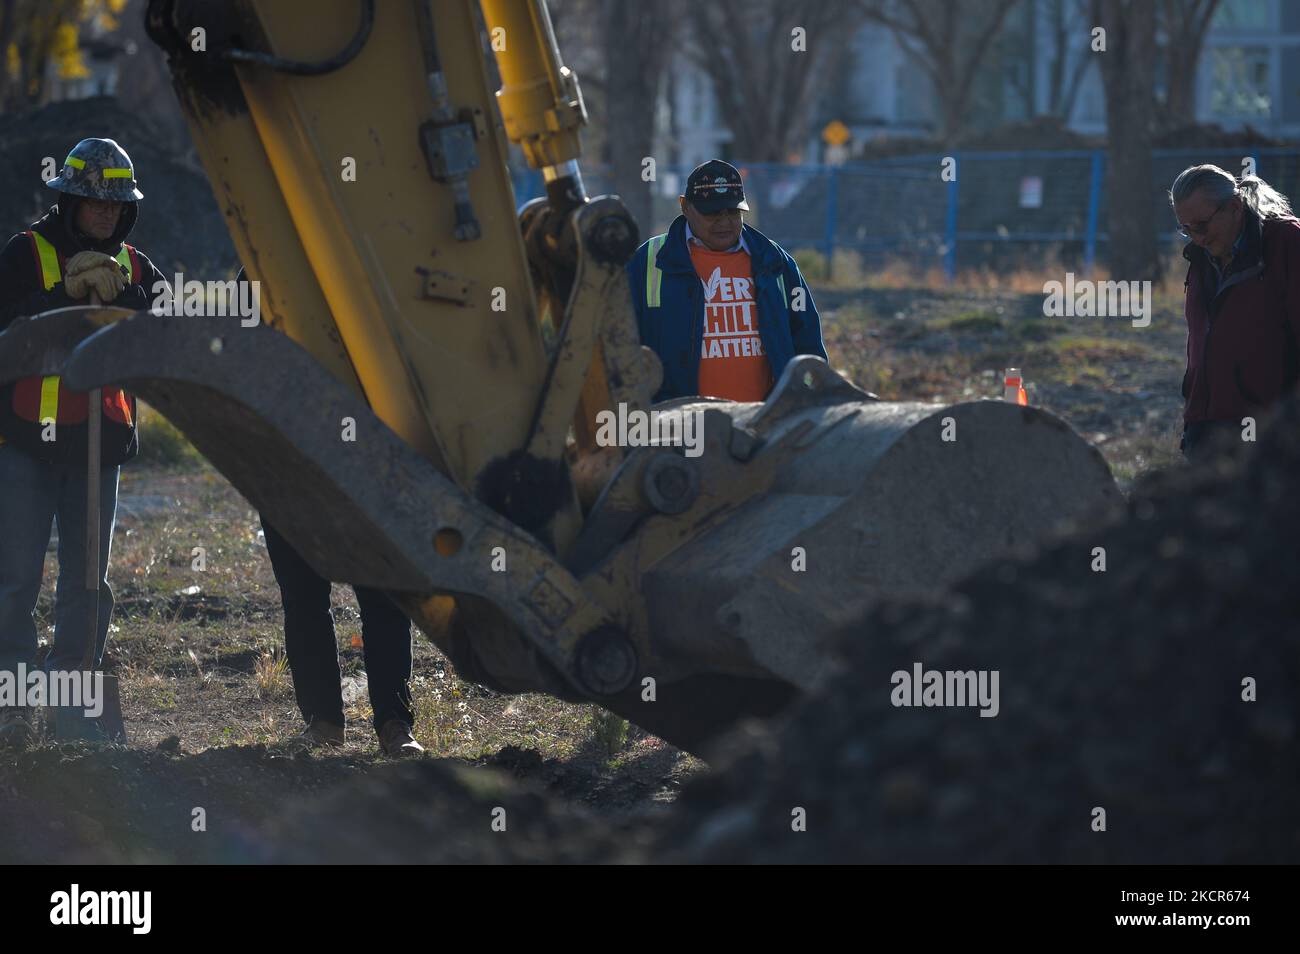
column 723, row 306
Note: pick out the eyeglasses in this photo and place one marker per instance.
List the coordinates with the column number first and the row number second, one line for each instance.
column 1201, row 227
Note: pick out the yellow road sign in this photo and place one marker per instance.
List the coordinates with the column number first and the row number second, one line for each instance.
column 835, row 133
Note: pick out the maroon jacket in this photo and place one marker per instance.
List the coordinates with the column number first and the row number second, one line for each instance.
column 1243, row 342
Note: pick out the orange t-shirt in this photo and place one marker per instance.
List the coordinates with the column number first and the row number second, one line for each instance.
column 733, row 364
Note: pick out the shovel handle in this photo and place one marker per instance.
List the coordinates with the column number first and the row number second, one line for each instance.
column 94, row 448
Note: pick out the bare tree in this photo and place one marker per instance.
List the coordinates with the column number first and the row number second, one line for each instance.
column 1185, row 24
column 765, row 83
column 1128, row 78
column 948, row 40
column 638, row 40
column 1071, row 55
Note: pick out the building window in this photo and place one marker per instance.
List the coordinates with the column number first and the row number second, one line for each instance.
column 1243, row 15
column 1239, row 82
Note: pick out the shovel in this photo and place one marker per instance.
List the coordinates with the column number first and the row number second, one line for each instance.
column 71, row 722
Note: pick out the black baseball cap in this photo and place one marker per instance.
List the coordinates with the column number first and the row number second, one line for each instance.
column 714, row 186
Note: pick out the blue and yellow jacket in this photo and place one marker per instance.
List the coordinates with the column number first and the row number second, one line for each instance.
column 669, row 300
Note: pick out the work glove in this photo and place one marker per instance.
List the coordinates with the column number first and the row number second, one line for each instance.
column 94, row 271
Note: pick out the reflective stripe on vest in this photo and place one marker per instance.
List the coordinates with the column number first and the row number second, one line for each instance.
column 49, row 399
column 116, row 403
column 52, row 274
column 654, row 276
column 49, row 259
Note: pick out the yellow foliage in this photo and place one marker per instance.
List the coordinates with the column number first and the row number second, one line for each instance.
column 13, row 61
column 104, row 14
column 66, row 53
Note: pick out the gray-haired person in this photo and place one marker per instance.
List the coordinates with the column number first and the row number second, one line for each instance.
column 1242, row 301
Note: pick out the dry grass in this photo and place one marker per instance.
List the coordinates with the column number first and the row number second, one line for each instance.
column 1117, row 384
column 272, row 675
column 925, row 274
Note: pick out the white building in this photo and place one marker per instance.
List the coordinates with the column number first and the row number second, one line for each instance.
column 1249, row 75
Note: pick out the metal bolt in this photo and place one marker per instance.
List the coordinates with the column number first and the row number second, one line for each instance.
column 671, row 483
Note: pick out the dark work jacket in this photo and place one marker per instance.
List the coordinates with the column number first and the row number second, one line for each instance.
column 22, row 294
column 1243, row 337
column 675, row 329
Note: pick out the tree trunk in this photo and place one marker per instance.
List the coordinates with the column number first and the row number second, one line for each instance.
column 1180, row 91
column 1185, row 24
column 638, row 41
column 1128, row 76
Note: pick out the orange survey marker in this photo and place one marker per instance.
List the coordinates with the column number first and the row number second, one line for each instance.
column 1013, row 387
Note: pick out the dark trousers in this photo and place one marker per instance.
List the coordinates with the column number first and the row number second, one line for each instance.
column 313, row 654
column 1207, row 439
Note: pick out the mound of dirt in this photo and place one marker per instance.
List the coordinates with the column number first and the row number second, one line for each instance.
column 74, row 804
column 180, row 226
column 438, row 813
column 78, row 804
column 1123, row 690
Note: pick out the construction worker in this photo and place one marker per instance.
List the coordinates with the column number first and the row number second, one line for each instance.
column 723, row 306
column 1243, row 278
column 312, row 652
column 77, row 248
column 310, row 647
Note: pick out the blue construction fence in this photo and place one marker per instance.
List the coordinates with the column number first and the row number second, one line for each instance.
column 1000, row 210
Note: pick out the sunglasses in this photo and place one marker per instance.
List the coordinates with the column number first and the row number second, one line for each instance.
column 1201, row 227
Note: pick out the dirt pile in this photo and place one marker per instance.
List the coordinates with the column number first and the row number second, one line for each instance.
column 1120, row 690
column 73, row 804
column 180, row 226
column 439, row 813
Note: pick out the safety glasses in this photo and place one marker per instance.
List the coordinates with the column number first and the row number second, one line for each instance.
column 1201, row 227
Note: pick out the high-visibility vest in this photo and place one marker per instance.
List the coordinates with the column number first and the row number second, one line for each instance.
column 43, row 399
column 654, row 276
